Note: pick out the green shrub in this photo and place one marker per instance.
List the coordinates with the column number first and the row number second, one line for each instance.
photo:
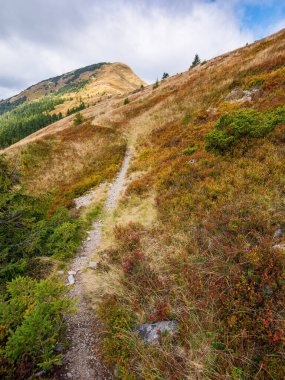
column 72, row 110
column 32, row 322
column 78, row 119
column 26, row 230
column 126, row 101
column 187, row 118
column 255, row 82
column 196, row 61
column 156, row 84
column 243, row 123
column 190, row 150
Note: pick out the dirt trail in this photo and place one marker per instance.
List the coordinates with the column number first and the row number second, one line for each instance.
column 82, row 361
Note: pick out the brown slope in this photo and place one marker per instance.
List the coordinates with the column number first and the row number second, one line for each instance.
column 197, row 92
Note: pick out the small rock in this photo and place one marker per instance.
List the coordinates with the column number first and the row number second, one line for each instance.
column 60, row 271
column 268, row 290
column 71, row 279
column 39, row 374
column 150, row 332
column 69, row 375
column 193, row 161
column 277, row 233
column 93, row 264
column 88, row 239
column 58, row 348
column 72, row 272
column 279, row 246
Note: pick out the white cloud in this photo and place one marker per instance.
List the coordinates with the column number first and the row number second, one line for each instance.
column 150, row 40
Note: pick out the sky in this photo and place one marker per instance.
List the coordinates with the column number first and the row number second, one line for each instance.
column 44, row 38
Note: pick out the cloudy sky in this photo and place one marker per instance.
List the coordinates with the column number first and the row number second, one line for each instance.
column 44, row 38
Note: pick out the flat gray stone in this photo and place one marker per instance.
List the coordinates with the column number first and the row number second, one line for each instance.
column 150, row 332
column 60, row 271
column 278, row 233
column 72, row 272
column 71, row 279
column 92, row 264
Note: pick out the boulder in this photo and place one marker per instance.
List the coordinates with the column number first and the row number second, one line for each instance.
column 151, row 332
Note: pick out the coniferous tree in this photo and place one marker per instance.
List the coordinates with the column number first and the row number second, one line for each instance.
column 78, row 119
column 196, row 61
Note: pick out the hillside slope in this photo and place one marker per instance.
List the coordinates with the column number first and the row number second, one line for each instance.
column 199, row 235
column 58, row 97
column 121, row 79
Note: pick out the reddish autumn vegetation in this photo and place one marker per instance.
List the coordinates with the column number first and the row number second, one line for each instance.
column 210, row 261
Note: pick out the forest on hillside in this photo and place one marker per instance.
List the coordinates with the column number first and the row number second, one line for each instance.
column 27, row 118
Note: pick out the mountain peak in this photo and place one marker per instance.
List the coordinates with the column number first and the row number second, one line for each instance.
column 105, row 78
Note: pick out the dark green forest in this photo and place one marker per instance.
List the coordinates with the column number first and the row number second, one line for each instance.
column 7, row 105
column 27, row 118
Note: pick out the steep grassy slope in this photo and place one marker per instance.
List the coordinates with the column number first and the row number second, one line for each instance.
column 210, row 148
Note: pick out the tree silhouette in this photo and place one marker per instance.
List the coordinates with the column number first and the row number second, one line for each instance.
column 196, row 61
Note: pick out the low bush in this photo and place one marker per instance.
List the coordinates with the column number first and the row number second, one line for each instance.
column 32, row 323
column 255, row 82
column 156, row 84
column 72, row 110
column 31, row 311
column 78, row 119
column 243, row 123
column 190, row 150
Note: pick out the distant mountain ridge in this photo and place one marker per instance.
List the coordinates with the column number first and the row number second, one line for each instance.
column 60, row 84
column 60, row 96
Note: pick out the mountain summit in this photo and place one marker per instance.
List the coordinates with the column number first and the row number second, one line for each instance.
column 58, row 97
column 99, row 78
